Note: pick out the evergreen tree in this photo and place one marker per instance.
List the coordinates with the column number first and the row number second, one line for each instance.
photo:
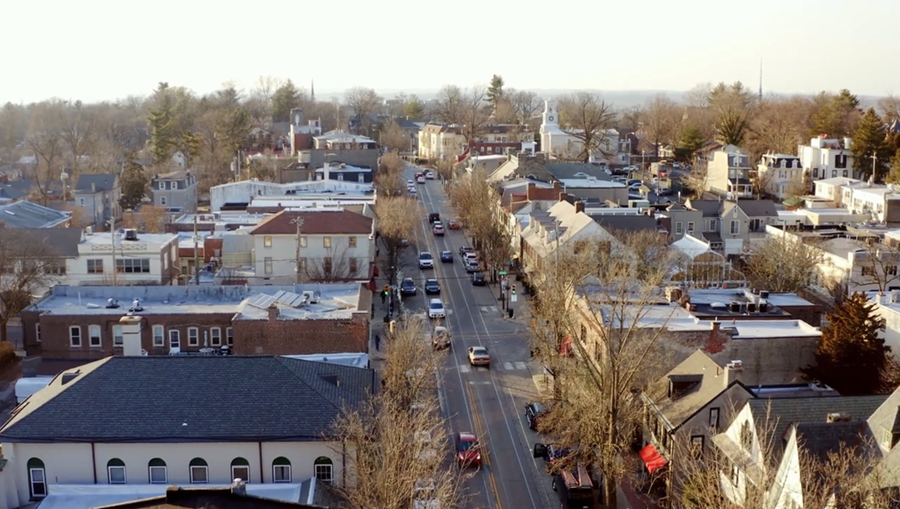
column 495, row 91
column 870, row 139
column 893, row 176
column 835, row 114
column 851, row 358
column 285, row 98
column 134, row 184
column 414, row 108
column 690, row 141
column 162, row 126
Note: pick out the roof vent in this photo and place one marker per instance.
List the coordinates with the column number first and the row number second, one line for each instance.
column 332, row 379
column 136, row 306
column 838, row 417
column 131, row 234
column 112, row 304
column 68, row 377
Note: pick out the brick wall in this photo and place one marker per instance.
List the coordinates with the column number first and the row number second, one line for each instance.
column 288, row 337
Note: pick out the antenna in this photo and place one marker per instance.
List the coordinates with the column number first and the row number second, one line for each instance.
column 760, row 79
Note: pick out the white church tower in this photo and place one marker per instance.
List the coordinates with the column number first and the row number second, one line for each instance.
column 550, row 126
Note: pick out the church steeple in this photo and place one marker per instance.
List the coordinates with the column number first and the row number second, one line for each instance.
column 312, row 90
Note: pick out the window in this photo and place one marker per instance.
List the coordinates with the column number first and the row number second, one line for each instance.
column 162, row 185
column 867, row 271
column 845, row 174
column 81, row 202
column 267, row 265
column 162, row 200
column 735, row 227
column 351, row 241
column 193, row 336
column 37, row 332
column 95, row 265
column 199, row 471
column 117, row 335
column 690, row 227
column 158, row 335
column 303, row 241
column 37, row 479
column 75, row 335
column 326, row 242
column 713, row 226
column 697, row 445
column 326, row 266
column 324, row 469
column 229, row 335
column 713, row 418
column 240, row 469
column 55, row 266
column 840, row 161
column 115, row 471
column 281, row 470
column 833, row 173
column 815, row 173
column 158, row 474
column 267, row 241
column 133, row 265
column 679, row 228
column 353, row 267
column 746, row 437
column 215, row 336
column 735, row 474
column 174, row 338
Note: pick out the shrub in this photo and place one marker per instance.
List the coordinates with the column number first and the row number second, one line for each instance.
column 7, row 354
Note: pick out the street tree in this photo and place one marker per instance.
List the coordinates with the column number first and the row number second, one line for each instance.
column 135, row 184
column 495, row 92
column 396, row 436
column 390, row 180
column 397, row 218
column 393, row 137
column 364, row 103
column 869, row 148
column 851, row 356
column 782, row 265
column 28, row 266
column 836, row 115
column 697, row 179
column 471, row 195
column 465, row 107
column 661, row 117
column 587, row 117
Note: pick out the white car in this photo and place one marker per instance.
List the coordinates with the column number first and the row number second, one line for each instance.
column 426, row 261
column 436, row 309
column 429, row 175
column 420, row 180
column 479, row 356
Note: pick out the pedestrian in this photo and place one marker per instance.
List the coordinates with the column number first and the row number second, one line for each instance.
column 382, row 298
column 377, row 342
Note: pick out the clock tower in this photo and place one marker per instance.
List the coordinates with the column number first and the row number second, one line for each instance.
column 551, row 113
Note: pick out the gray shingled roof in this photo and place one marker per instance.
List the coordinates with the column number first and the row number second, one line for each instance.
column 25, row 214
column 709, row 208
column 625, row 223
column 758, row 208
column 59, row 241
column 95, row 183
column 568, row 170
column 187, row 398
column 821, row 438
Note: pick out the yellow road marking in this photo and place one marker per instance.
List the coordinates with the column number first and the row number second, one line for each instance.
column 479, row 432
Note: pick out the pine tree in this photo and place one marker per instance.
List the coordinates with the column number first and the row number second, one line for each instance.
column 851, row 358
column 285, row 98
column 869, row 139
column 162, row 130
column 690, row 141
column 134, row 184
column 893, row 176
column 495, row 91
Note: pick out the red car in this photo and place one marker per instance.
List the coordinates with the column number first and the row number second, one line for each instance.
column 468, row 450
column 452, row 225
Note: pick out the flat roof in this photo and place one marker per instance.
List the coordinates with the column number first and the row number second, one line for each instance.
column 583, row 183
column 86, row 496
column 751, row 329
column 223, row 218
column 105, row 238
column 336, row 301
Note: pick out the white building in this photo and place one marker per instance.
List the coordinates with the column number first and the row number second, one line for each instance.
column 136, row 259
column 563, row 145
column 826, row 158
column 782, row 175
column 240, row 194
column 728, row 173
column 441, row 142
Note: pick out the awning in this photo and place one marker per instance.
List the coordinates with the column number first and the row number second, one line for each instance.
column 652, row 458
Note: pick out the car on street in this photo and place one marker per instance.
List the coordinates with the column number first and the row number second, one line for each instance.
column 412, row 191
column 533, row 412
column 479, row 356
column 440, row 338
column 432, row 286
column 426, row 261
column 436, row 309
column 636, row 187
column 446, row 256
column 468, row 450
column 429, row 175
column 420, row 179
column 471, row 266
column 438, row 230
column 434, row 217
column 410, row 183
column 452, row 224
column 408, row 286
column 478, row 279
column 551, row 454
column 465, row 249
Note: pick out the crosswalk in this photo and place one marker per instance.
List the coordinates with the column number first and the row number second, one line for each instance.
column 488, row 309
column 505, row 366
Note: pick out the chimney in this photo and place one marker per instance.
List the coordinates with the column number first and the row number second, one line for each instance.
column 529, row 190
column 734, row 370
column 563, row 197
column 715, row 344
column 239, row 487
column 131, row 336
column 579, row 206
column 273, row 312
column 837, row 417
column 556, row 186
column 93, row 187
column 326, row 171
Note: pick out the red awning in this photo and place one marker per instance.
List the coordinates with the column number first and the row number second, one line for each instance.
column 652, row 458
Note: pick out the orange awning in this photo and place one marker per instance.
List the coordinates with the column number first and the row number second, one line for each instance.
column 652, row 458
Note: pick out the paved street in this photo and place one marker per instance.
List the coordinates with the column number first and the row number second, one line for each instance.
column 488, row 402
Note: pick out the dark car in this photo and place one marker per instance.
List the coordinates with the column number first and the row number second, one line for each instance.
column 433, row 218
column 533, row 412
column 432, row 286
column 467, row 450
column 478, row 279
column 552, row 455
column 664, row 192
column 408, row 287
column 446, row 256
column 574, row 487
column 465, row 249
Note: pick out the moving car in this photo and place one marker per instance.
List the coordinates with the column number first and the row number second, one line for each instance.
column 426, row 261
column 478, row 279
column 468, row 450
column 465, row 249
column 408, row 286
column 420, row 179
column 479, row 356
column 471, row 266
column 436, row 309
column 446, row 256
column 410, row 183
column 440, row 338
column 412, row 191
column 434, row 217
column 429, row 175
column 438, row 230
column 432, row 286
column 532, row 413
column 452, row 224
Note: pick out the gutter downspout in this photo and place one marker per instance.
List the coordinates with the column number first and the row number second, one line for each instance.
column 343, row 464
column 262, row 477
column 94, row 461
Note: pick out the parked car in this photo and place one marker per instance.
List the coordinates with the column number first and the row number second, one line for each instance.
column 551, row 454
column 636, row 187
column 466, row 249
column 452, row 224
column 438, row 230
column 426, row 261
column 479, row 356
column 664, row 192
column 436, row 309
column 574, row 487
column 478, row 279
column 471, row 266
column 468, row 451
column 532, row 413
column 404, row 242
column 446, row 256
column 440, row 338
column 408, row 286
column 432, row 286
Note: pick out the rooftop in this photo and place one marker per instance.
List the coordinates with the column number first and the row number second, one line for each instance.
column 58, row 241
column 25, row 214
column 96, row 183
column 335, row 301
column 172, row 175
column 222, row 219
column 106, row 238
column 119, row 399
column 315, row 222
column 582, row 183
column 108, row 496
column 708, row 303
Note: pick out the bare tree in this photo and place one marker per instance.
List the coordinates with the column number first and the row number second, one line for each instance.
column 587, row 117
column 697, row 179
column 264, row 89
column 45, row 140
column 393, row 137
column 364, row 103
column 660, row 118
column 469, row 196
column 397, row 217
column 28, row 266
column 879, row 264
column 390, row 180
column 889, row 108
column 397, row 436
column 467, row 108
column 782, row 265
column 77, row 132
column 526, row 105
column 336, row 265
column 779, row 126
column 150, row 218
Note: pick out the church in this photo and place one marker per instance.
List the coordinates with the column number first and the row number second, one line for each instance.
column 563, row 145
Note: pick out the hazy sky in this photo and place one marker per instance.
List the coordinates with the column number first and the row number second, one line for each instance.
column 106, row 49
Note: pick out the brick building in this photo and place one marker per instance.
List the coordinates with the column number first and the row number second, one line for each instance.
column 82, row 323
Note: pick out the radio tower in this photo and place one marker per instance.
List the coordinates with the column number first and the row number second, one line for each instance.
column 760, row 79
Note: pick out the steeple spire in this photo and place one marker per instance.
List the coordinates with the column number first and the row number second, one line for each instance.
column 312, row 90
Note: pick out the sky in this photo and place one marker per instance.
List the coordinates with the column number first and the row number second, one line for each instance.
column 94, row 50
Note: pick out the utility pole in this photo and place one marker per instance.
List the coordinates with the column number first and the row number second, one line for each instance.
column 196, row 252
column 299, row 222
column 874, row 160
column 112, row 235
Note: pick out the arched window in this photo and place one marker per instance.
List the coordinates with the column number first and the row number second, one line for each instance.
column 115, row 470
column 324, row 468
column 281, row 470
column 240, row 469
column 199, row 471
column 158, row 473
column 37, row 478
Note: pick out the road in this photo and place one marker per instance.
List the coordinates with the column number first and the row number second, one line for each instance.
column 489, row 402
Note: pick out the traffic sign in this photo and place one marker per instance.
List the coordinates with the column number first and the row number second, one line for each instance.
column 502, row 272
